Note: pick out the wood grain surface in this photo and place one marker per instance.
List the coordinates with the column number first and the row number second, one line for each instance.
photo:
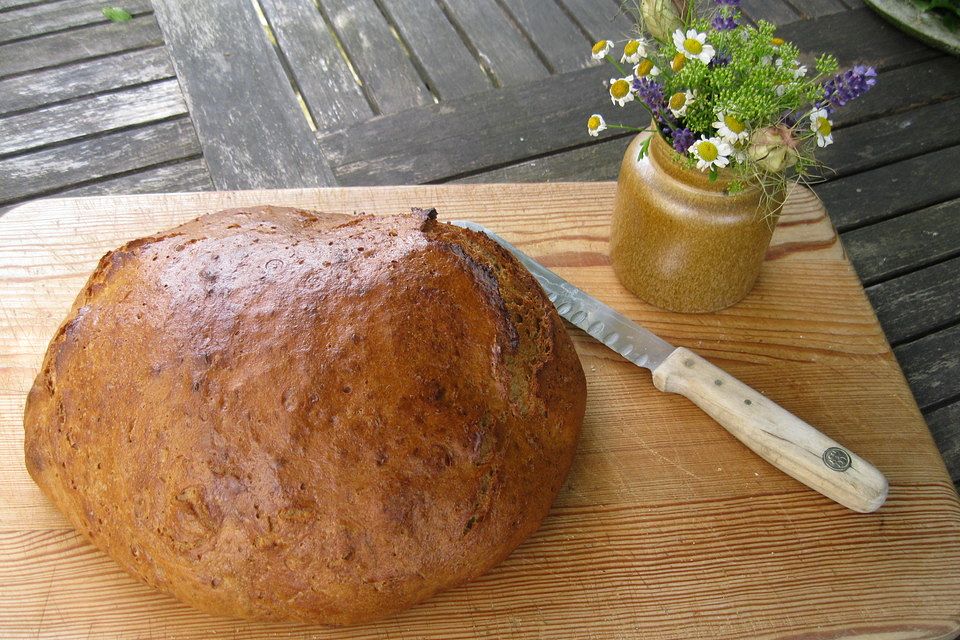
column 667, row 526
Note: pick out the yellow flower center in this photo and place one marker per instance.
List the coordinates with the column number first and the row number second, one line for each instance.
column 620, row 89
column 678, row 61
column 824, row 127
column 777, row 41
column 677, row 100
column 733, row 124
column 631, row 47
column 707, row 150
column 693, row 46
column 593, row 122
column 599, row 47
column 643, row 68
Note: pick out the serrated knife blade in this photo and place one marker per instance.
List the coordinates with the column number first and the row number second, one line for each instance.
column 772, row 432
column 621, row 334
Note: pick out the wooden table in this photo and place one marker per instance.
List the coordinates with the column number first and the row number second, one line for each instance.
column 667, row 526
column 231, row 94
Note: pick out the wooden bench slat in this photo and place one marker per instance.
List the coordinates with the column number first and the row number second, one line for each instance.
column 592, row 163
column 88, row 42
column 943, row 425
column 53, row 169
column 497, row 41
column 40, row 88
column 252, row 129
column 49, row 125
column 443, row 56
column 918, row 302
column 325, row 80
column 932, row 366
column 600, row 18
column 776, row 11
column 561, row 41
column 507, row 124
column 895, row 188
column 44, row 18
column 189, row 175
column 819, row 8
column 905, row 243
column 391, row 80
column 897, row 137
column 6, row 5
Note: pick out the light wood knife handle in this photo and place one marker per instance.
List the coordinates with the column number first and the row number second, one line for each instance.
column 778, row 436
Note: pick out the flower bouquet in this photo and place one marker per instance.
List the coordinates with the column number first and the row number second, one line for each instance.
column 728, row 95
column 737, row 116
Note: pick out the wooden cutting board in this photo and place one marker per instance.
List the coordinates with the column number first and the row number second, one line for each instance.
column 667, row 526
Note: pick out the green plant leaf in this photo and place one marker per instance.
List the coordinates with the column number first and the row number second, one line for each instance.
column 713, row 175
column 116, row 14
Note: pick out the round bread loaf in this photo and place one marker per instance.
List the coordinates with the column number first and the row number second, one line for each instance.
column 283, row 415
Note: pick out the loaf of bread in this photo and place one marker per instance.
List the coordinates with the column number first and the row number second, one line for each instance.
column 283, row 415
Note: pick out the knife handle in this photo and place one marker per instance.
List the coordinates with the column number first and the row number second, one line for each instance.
column 775, row 434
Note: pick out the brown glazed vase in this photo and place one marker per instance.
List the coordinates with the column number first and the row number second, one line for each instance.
column 679, row 241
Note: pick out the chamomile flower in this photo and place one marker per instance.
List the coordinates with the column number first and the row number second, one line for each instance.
column 678, row 61
column 601, row 49
column 777, row 42
column 633, row 51
column 711, row 153
column 800, row 71
column 693, row 45
column 646, row 68
column 595, row 124
column 620, row 90
column 821, row 125
column 730, row 128
column 679, row 102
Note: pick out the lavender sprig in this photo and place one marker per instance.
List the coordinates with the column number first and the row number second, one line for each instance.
column 847, row 86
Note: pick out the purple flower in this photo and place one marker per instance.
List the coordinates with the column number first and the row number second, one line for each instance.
column 650, row 93
column 683, row 139
column 728, row 3
column 720, row 59
column 721, row 22
column 847, row 86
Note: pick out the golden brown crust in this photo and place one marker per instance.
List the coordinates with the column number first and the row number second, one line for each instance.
column 276, row 414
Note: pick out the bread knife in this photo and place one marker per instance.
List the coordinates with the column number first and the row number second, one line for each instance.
column 775, row 434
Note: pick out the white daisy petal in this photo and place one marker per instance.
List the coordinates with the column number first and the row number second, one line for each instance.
column 595, row 124
column 601, row 49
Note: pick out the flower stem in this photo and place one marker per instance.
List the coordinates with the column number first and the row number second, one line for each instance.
column 615, row 63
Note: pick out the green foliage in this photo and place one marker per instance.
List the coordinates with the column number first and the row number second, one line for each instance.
column 946, row 10
column 116, row 14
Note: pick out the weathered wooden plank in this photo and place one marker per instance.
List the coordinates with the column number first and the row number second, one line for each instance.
column 70, row 46
column 563, row 44
column 819, row 8
column 496, row 40
column 895, row 188
column 903, row 89
column 6, row 5
column 504, row 125
column 69, row 120
column 932, row 366
column 918, row 302
column 251, row 127
column 601, row 19
column 445, row 59
column 49, row 170
column 776, row 11
column 188, row 175
column 389, row 77
column 943, row 424
column 897, row 137
column 45, row 18
column 905, row 243
column 40, row 88
column 326, row 82
column 857, row 37
column 594, row 162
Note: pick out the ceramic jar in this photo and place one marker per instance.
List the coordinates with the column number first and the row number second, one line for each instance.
column 681, row 242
